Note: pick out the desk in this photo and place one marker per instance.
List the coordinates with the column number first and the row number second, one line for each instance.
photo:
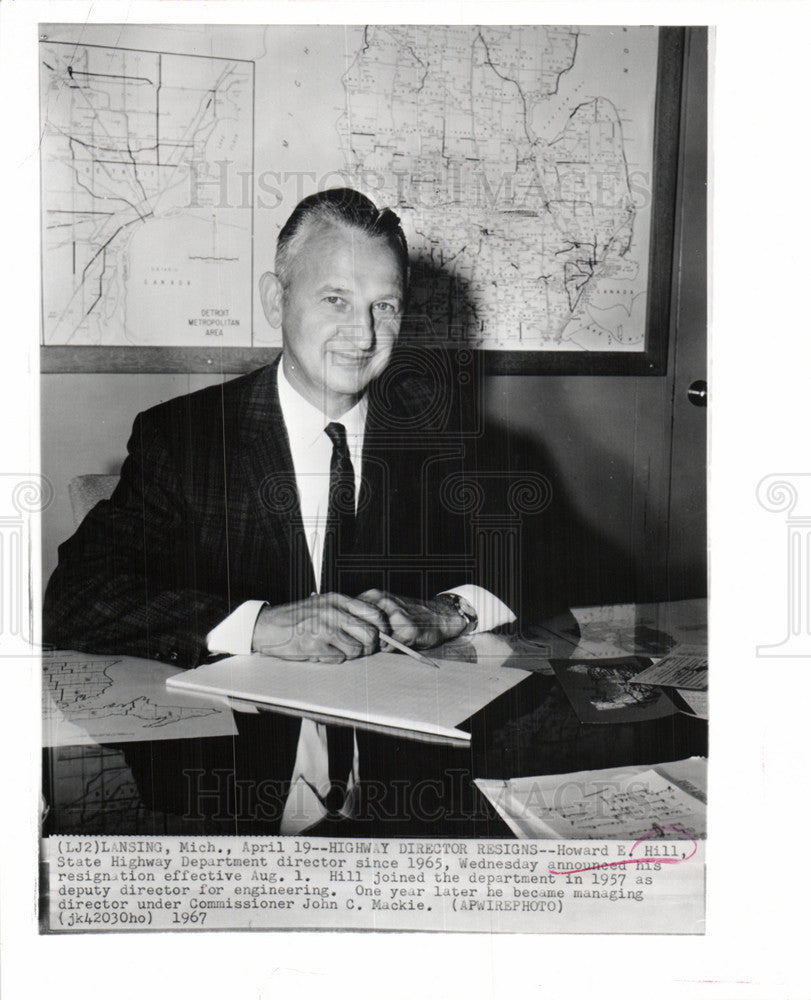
column 410, row 789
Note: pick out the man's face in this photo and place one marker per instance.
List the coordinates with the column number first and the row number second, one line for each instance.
column 340, row 315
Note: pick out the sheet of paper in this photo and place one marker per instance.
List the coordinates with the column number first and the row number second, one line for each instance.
column 387, row 689
column 632, row 629
column 681, row 669
column 90, row 698
column 601, row 691
column 667, row 801
column 698, row 702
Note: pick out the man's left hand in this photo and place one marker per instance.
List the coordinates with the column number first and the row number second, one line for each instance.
column 418, row 624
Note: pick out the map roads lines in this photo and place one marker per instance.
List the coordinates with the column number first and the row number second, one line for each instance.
column 131, row 146
column 520, row 161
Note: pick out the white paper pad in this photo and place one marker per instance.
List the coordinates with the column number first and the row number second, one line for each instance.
column 387, row 690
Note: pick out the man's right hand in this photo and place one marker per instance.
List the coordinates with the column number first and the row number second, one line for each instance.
column 329, row 628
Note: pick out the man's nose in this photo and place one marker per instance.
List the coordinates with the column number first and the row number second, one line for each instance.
column 364, row 329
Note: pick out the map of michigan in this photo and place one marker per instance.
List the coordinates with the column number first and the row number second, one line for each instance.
column 511, row 172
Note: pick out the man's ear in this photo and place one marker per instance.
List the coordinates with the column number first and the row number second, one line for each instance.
column 271, row 294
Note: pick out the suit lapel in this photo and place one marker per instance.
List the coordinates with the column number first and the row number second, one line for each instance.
column 268, row 466
column 371, row 529
column 390, row 454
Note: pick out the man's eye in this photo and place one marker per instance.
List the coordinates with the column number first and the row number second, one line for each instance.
column 386, row 307
column 335, row 300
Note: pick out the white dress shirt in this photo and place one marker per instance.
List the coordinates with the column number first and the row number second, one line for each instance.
column 311, row 451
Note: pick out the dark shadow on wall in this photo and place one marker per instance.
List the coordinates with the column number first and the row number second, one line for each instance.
column 440, row 310
column 565, row 561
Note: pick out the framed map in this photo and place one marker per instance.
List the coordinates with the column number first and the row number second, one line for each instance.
column 535, row 173
column 534, row 170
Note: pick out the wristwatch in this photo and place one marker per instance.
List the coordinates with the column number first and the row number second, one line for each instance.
column 463, row 608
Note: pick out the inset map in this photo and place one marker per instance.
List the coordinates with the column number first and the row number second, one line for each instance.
column 145, row 243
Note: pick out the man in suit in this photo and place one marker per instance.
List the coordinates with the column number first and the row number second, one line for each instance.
column 301, row 510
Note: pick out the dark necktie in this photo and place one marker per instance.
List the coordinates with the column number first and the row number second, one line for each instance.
column 338, row 538
column 339, row 533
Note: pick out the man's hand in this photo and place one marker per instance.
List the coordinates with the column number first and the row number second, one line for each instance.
column 418, row 624
column 329, row 628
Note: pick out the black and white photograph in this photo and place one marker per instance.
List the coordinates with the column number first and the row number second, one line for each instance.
column 351, row 413
column 375, row 541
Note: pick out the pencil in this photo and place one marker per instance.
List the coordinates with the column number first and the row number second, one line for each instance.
column 407, row 650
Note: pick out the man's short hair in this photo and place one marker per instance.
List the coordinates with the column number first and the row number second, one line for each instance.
column 343, row 207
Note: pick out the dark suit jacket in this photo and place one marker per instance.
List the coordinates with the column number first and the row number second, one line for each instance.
column 206, row 516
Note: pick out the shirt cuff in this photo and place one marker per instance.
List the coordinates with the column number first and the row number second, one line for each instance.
column 234, row 634
column 490, row 611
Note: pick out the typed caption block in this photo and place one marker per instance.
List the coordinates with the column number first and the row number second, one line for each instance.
column 173, row 883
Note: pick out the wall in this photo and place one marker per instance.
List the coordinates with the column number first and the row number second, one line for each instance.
column 605, row 441
column 628, row 452
column 606, row 438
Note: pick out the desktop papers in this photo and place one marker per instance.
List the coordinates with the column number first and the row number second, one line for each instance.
column 697, row 701
column 624, row 803
column 684, row 668
column 652, row 630
column 387, row 691
column 602, row 691
column 90, row 699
